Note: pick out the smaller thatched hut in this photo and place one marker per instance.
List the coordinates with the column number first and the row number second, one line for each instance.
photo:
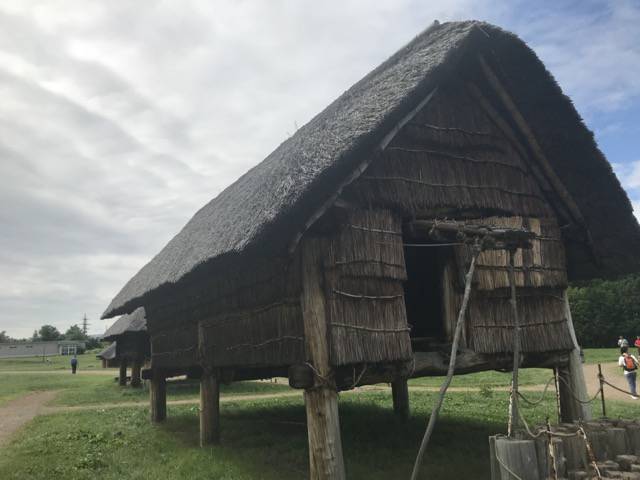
column 108, row 356
column 131, row 344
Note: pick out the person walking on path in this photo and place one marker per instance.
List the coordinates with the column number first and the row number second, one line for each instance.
column 637, row 344
column 74, row 364
column 629, row 365
column 622, row 343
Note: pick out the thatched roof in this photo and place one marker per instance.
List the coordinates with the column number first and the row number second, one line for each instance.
column 132, row 323
column 109, row 353
column 269, row 205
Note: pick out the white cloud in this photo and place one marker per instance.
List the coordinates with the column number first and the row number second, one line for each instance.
column 116, row 127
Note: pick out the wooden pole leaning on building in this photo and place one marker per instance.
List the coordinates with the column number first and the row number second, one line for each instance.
column 400, row 394
column 321, row 400
column 574, row 403
column 122, row 377
column 158, row 397
column 136, row 368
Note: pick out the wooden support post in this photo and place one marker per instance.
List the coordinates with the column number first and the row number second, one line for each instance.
column 136, row 367
column 104, row 363
column 122, row 379
column 601, row 381
column 158, row 397
column 400, row 394
column 209, row 409
column 573, row 389
column 321, row 400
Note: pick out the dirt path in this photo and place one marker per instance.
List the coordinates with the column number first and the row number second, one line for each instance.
column 613, row 374
column 19, row 411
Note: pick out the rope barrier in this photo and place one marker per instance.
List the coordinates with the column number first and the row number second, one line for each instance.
column 536, row 402
column 617, row 388
column 584, row 402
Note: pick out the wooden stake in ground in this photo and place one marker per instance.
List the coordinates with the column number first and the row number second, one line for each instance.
column 122, row 378
column 209, row 409
column 321, row 400
column 400, row 394
column 452, row 364
column 158, row 397
column 136, row 367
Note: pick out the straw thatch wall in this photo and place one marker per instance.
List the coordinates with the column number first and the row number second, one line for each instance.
column 365, row 269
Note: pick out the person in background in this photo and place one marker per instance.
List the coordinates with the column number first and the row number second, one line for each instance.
column 622, row 343
column 637, row 343
column 629, row 365
column 74, row 364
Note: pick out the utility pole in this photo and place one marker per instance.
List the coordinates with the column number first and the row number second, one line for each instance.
column 85, row 324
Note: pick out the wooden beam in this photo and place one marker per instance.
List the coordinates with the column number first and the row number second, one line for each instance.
column 400, row 395
column 572, row 384
column 158, row 397
column 538, row 153
column 122, row 377
column 209, row 409
column 321, row 400
column 136, row 368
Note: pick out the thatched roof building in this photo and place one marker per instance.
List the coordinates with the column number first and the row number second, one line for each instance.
column 108, row 356
column 317, row 242
column 130, row 345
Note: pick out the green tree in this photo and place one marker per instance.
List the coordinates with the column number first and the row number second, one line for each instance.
column 604, row 309
column 48, row 333
column 75, row 333
column 4, row 338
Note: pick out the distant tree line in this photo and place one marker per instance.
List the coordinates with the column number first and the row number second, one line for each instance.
column 48, row 333
column 602, row 310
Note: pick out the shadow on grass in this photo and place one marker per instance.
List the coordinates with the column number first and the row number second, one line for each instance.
column 376, row 443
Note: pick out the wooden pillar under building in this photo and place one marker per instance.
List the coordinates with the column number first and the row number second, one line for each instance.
column 321, row 400
column 136, row 367
column 158, row 397
column 122, row 378
column 209, row 409
column 573, row 389
column 104, row 363
column 400, row 394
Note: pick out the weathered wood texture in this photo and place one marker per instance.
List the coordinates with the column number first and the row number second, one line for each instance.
column 136, row 379
column 158, row 398
column 209, row 410
column 519, row 456
column 400, row 394
column 573, row 388
column 122, row 376
column 321, row 401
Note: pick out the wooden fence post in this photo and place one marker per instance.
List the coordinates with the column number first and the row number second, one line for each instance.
column 122, row 378
column 400, row 394
column 158, row 397
column 321, row 400
column 209, row 409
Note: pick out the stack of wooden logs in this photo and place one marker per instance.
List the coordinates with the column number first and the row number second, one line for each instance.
column 614, row 444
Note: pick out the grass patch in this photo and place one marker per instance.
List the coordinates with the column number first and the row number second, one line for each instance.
column 97, row 389
column 266, row 439
column 602, row 355
column 492, row 379
column 87, row 361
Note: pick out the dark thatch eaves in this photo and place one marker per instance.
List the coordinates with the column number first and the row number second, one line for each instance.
column 132, row 323
column 271, row 204
column 109, row 353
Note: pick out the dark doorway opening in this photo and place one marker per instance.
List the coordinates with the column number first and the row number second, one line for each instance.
column 423, row 293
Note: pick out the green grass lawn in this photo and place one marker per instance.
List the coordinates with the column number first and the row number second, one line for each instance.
column 96, row 389
column 86, row 361
column 265, row 439
column 602, row 355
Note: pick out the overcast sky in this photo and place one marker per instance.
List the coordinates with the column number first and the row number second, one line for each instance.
column 119, row 119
